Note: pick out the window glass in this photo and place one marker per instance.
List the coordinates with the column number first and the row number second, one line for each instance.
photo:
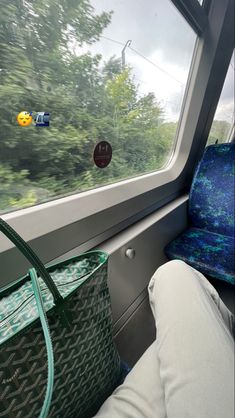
column 224, row 115
column 74, row 74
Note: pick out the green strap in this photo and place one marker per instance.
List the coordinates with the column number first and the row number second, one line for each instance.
column 27, row 251
column 46, row 332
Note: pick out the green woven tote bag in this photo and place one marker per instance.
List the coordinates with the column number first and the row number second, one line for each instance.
column 57, row 355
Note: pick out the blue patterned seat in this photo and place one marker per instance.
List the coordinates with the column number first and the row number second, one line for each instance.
column 208, row 244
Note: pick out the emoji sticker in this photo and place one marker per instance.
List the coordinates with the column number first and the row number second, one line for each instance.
column 24, row 118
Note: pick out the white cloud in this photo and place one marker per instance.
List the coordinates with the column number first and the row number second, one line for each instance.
column 225, row 111
column 225, row 108
column 167, row 42
column 160, row 34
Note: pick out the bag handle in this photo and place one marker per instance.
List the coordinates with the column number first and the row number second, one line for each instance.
column 27, row 251
column 49, row 347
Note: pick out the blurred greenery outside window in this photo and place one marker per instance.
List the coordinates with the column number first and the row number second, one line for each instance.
column 223, row 121
column 73, row 60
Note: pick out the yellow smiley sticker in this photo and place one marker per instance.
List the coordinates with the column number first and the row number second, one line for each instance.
column 24, row 118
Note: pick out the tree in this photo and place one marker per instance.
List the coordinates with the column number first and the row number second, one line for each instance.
column 89, row 100
column 219, row 131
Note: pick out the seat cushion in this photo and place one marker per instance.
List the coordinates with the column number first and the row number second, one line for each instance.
column 208, row 252
column 211, row 200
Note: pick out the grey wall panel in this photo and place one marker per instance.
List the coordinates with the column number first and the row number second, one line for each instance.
column 128, row 278
column 137, row 334
column 134, row 326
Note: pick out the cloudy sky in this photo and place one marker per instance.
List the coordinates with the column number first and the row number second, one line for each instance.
column 225, row 108
column 163, row 44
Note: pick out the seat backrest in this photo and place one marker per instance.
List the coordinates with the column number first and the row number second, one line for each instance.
column 211, row 200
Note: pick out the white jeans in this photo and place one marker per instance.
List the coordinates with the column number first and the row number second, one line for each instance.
column 188, row 372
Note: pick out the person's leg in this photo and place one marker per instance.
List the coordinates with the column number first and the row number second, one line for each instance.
column 141, row 394
column 227, row 316
column 194, row 344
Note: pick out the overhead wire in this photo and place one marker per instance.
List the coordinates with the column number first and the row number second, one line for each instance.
column 137, row 52
column 155, row 65
column 112, row 40
column 145, row 58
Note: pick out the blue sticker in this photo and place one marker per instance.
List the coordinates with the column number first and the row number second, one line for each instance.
column 42, row 119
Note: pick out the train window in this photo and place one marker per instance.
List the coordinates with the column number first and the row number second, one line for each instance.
column 223, row 122
column 93, row 71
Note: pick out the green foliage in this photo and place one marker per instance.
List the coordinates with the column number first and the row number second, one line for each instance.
column 89, row 100
column 219, row 132
column 15, row 190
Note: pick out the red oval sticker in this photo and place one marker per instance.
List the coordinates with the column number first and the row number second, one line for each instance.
column 102, row 154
